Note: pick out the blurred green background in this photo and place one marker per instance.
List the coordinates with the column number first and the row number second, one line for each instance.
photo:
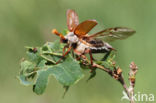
column 29, row 23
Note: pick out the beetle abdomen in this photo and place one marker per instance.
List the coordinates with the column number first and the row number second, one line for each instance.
column 99, row 49
column 99, row 46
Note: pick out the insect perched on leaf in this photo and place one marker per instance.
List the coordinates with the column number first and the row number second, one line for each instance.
column 78, row 39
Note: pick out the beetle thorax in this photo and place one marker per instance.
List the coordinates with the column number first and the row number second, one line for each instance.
column 72, row 38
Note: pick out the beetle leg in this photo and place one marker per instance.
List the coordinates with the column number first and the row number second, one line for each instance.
column 84, row 57
column 106, row 56
column 91, row 57
column 64, row 55
column 64, row 48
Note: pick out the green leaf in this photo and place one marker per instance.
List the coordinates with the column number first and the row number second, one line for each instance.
column 27, row 73
column 41, row 82
column 41, row 65
column 53, row 51
column 68, row 72
column 27, row 67
column 23, row 80
column 54, row 46
column 34, row 56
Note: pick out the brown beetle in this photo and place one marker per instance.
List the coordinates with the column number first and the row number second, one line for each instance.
column 78, row 39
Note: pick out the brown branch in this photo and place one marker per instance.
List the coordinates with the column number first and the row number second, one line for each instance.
column 132, row 74
column 117, row 75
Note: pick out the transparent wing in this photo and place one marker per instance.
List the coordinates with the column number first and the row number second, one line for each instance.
column 112, row 34
column 72, row 20
column 84, row 27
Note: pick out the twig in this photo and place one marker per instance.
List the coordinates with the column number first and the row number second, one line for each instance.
column 117, row 75
column 132, row 74
column 48, row 59
column 51, row 53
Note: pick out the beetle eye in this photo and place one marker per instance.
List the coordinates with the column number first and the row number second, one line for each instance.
column 64, row 40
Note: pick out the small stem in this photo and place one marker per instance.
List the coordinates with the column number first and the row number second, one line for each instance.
column 56, row 54
column 48, row 59
column 132, row 74
column 117, row 74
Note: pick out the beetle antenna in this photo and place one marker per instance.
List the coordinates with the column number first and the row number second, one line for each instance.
column 54, row 31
